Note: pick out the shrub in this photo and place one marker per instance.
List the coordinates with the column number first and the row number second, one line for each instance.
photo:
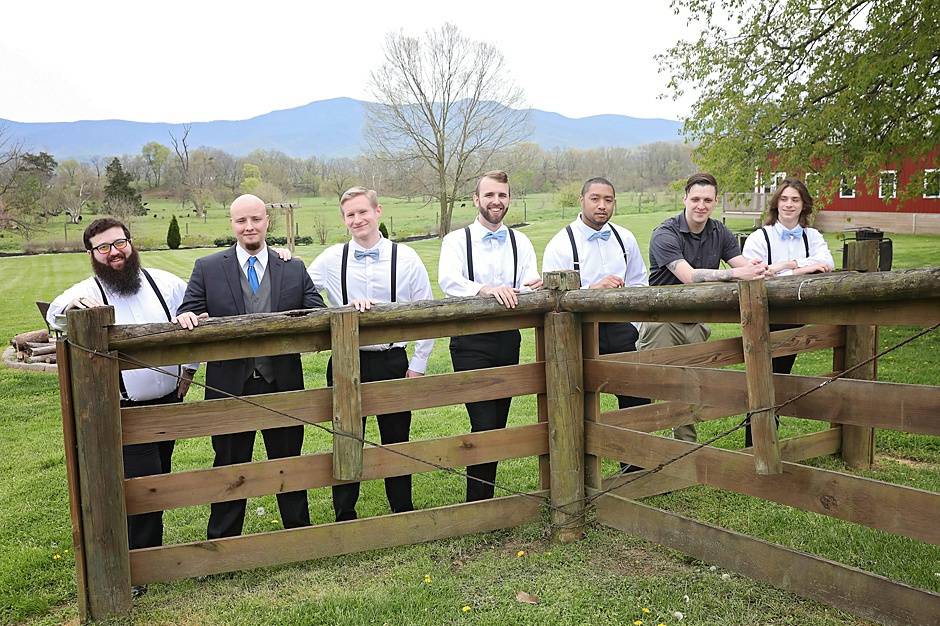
column 383, row 229
column 173, row 238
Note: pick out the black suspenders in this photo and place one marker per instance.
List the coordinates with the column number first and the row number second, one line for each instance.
column 394, row 279
column 166, row 310
column 770, row 259
column 515, row 256
column 574, row 247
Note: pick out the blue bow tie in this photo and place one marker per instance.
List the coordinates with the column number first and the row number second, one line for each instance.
column 601, row 234
column 792, row 233
column 361, row 254
column 499, row 235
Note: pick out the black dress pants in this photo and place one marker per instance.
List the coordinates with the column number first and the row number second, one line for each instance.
column 226, row 519
column 145, row 530
column 472, row 352
column 393, row 428
column 614, row 337
column 779, row 365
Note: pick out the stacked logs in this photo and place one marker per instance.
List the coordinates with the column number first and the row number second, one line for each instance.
column 34, row 347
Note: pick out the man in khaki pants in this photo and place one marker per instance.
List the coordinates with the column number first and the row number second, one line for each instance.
column 689, row 248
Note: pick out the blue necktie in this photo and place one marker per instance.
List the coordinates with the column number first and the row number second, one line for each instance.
column 253, row 281
column 601, row 234
column 361, row 254
column 499, row 235
column 792, row 233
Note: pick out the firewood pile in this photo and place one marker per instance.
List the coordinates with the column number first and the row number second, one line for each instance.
column 34, row 347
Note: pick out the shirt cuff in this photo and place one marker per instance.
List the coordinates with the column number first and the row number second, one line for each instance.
column 418, row 364
column 804, row 262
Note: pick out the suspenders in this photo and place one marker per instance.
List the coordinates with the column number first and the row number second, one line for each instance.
column 515, row 256
column 166, row 310
column 767, row 239
column 574, row 247
column 394, row 279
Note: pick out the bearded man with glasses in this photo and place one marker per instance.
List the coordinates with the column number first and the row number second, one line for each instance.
column 139, row 296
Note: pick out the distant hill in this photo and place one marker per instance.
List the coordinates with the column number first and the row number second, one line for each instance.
column 330, row 128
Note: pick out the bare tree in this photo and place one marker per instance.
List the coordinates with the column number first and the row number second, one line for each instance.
column 320, row 228
column 339, row 175
column 447, row 101
column 190, row 190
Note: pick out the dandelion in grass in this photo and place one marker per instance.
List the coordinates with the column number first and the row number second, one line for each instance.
column 260, row 511
column 637, row 622
column 427, row 579
column 56, row 556
column 645, row 610
column 466, row 608
column 520, row 553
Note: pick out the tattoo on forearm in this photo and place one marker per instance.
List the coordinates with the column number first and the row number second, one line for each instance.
column 707, row 276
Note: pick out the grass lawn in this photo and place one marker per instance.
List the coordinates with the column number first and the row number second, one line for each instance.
column 608, row 578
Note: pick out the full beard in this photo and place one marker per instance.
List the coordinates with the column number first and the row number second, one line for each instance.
column 486, row 214
column 125, row 281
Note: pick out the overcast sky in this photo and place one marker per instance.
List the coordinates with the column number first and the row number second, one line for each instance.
column 198, row 60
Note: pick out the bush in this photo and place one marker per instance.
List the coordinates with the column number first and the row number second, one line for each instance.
column 173, row 238
column 222, row 242
column 383, row 229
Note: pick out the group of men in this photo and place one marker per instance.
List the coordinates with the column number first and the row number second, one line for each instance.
column 485, row 259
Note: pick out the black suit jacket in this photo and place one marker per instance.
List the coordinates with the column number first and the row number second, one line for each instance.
column 215, row 288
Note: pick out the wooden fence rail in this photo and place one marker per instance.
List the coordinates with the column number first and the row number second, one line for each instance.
column 569, row 433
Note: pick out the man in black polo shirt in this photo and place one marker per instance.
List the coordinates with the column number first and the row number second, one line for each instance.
column 688, row 248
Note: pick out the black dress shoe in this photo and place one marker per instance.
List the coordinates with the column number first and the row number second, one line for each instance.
column 346, row 516
column 137, row 591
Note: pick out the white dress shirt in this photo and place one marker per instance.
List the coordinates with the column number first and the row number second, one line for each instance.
column 368, row 279
column 141, row 308
column 597, row 258
column 755, row 247
column 492, row 262
column 243, row 256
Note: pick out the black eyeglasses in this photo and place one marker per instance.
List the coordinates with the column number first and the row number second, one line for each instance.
column 119, row 244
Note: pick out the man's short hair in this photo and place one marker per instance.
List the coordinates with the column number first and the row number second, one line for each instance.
column 353, row 192
column 99, row 226
column 597, row 180
column 701, row 178
column 498, row 175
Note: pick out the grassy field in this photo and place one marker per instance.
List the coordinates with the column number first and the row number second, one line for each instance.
column 606, row 579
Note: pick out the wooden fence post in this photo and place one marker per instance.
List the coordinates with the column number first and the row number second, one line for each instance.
column 590, row 349
column 755, row 336
column 858, row 442
column 96, row 405
column 347, row 401
column 541, row 404
column 564, row 382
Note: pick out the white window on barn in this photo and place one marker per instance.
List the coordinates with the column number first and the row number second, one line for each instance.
column 888, row 184
column 847, row 188
column 932, row 183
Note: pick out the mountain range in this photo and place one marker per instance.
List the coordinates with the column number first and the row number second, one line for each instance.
column 326, row 128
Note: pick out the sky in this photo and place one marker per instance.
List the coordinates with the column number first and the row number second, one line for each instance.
column 205, row 60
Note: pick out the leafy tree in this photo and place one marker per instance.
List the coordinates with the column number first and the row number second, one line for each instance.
column 445, row 101
column 120, row 197
column 841, row 87
column 156, row 156
column 173, row 238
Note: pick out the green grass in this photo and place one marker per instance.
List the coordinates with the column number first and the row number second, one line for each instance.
column 605, row 579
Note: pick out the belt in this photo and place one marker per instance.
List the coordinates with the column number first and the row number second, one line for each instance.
column 255, row 375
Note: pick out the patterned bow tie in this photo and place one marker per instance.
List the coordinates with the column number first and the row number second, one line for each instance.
column 361, row 254
column 601, row 234
column 792, row 233
column 499, row 235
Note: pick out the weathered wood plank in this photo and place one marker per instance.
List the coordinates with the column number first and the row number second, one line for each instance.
column 451, row 328
column 590, row 348
column 71, row 474
column 212, row 417
column 95, row 404
column 759, row 375
column 314, row 542
column 794, row 449
column 858, row 442
column 347, row 403
column 563, row 382
column 895, row 406
column 853, row 590
column 541, row 403
column 662, row 415
column 311, row 471
column 897, row 509
column 730, row 351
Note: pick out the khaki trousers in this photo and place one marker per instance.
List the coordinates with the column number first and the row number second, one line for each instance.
column 666, row 335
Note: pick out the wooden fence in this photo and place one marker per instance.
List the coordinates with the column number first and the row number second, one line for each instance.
column 569, row 434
